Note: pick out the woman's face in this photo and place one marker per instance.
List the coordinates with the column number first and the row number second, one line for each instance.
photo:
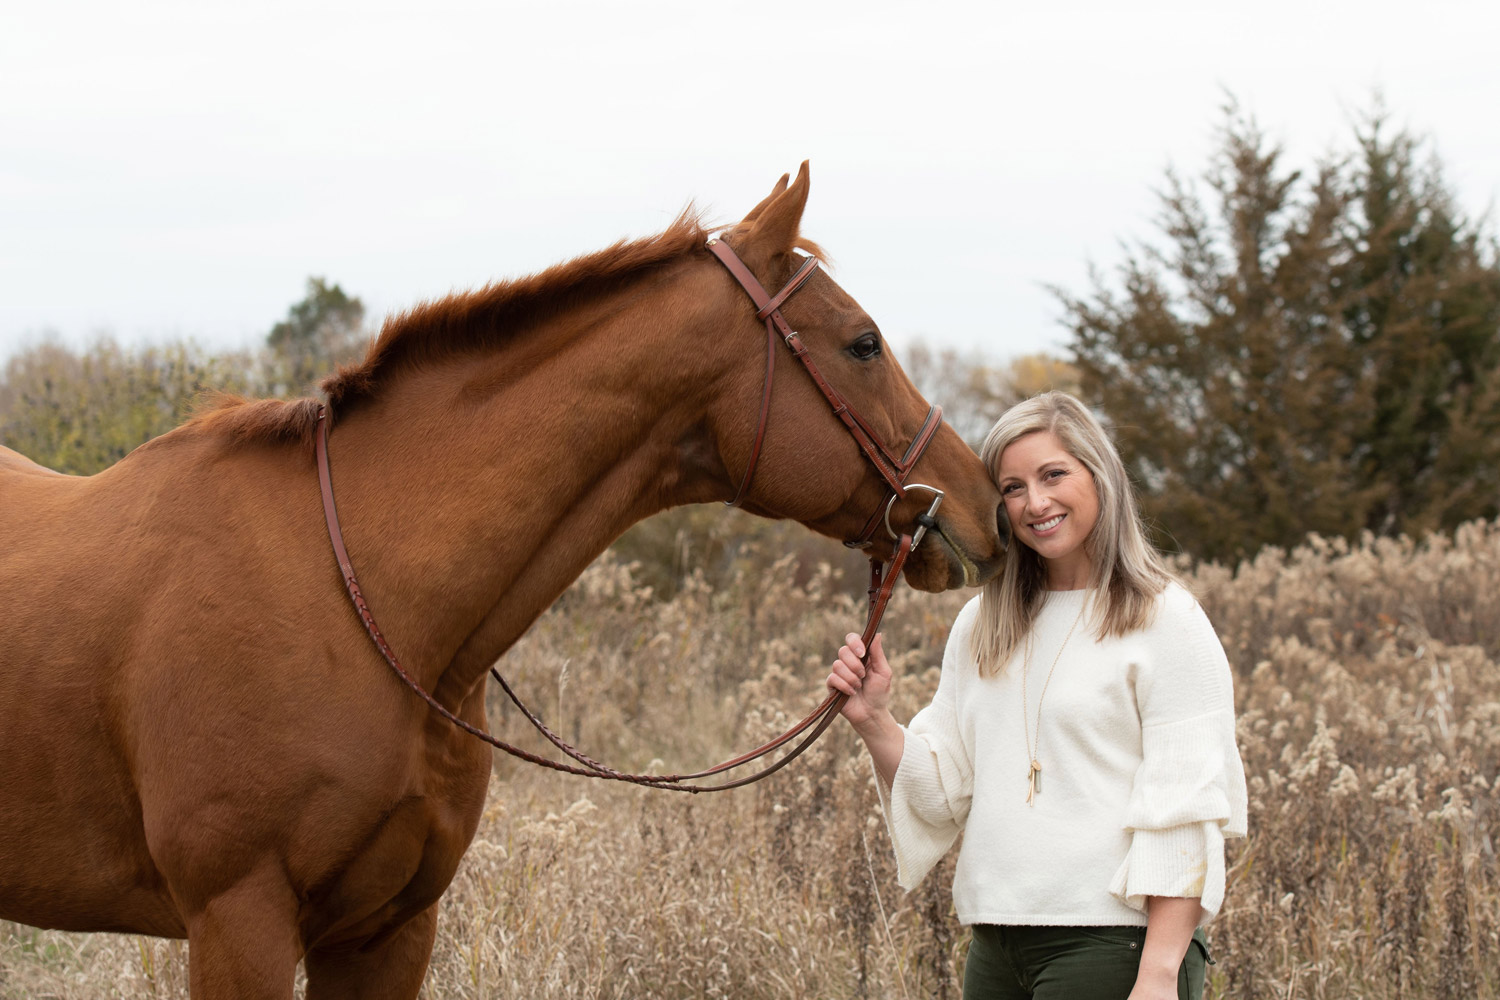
column 1051, row 503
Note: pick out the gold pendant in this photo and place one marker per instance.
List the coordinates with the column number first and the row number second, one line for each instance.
column 1033, row 782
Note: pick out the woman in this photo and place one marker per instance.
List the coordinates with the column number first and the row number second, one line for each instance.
column 1081, row 737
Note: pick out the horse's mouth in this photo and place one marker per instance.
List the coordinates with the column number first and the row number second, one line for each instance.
column 953, row 555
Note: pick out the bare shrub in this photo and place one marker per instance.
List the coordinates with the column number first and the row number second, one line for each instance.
column 1369, row 720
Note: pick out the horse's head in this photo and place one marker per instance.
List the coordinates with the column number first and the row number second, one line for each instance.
column 810, row 467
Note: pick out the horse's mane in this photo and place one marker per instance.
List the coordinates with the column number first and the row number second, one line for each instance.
column 440, row 328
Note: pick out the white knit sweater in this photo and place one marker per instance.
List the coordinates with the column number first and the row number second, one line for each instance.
column 1141, row 780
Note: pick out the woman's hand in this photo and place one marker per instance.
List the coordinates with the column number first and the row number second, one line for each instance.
column 868, row 686
column 1154, row 988
column 868, row 708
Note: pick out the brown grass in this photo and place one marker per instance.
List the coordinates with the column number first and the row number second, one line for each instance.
column 1369, row 700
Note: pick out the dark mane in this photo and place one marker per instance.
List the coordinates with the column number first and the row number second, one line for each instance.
column 464, row 321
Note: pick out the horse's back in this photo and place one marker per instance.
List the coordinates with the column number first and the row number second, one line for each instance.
column 102, row 579
column 46, row 515
column 13, row 462
column 34, row 499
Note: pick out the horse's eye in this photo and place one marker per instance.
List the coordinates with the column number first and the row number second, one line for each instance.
column 866, row 347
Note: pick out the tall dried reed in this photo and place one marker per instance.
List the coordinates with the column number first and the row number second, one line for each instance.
column 1369, row 699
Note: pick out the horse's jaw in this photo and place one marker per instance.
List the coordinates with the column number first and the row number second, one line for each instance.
column 940, row 563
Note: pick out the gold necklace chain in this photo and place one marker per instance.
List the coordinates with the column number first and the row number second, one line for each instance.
column 1034, row 775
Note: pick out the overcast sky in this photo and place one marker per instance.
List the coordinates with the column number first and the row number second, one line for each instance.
column 178, row 169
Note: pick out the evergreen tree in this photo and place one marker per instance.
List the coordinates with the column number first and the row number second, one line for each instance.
column 323, row 330
column 1423, row 303
column 1314, row 354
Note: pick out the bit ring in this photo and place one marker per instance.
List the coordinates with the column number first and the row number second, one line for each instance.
column 924, row 521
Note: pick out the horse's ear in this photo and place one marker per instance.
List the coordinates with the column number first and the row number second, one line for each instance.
column 754, row 213
column 776, row 220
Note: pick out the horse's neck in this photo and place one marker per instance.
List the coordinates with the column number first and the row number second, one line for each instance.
column 472, row 498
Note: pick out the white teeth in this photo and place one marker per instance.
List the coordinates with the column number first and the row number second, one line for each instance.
column 1048, row 524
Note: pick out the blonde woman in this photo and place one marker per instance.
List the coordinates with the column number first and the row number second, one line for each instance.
column 1081, row 739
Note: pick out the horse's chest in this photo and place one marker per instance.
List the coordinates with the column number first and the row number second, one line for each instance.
column 402, row 866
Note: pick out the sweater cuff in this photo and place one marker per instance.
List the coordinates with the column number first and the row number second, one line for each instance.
column 1182, row 861
column 917, row 815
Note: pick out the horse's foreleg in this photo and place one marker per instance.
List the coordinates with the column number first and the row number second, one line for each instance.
column 393, row 969
column 242, row 945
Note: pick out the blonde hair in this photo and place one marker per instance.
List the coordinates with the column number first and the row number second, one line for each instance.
column 1126, row 571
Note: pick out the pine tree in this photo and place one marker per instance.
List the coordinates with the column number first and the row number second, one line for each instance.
column 1423, row 302
column 1314, row 354
column 322, row 330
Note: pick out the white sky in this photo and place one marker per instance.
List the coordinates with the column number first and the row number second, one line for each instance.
column 179, row 168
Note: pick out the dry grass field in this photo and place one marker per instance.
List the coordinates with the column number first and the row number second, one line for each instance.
column 1369, row 699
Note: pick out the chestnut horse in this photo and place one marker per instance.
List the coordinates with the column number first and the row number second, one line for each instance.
column 198, row 738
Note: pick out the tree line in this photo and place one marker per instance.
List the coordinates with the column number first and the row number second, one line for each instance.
column 80, row 411
column 1291, row 351
column 1302, row 351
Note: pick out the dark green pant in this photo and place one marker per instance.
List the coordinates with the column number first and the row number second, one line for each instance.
column 1068, row 963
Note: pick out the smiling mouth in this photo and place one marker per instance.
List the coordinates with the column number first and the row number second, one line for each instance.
column 1042, row 527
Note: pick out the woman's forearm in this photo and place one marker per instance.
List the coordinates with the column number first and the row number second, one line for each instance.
column 886, row 742
column 1170, row 922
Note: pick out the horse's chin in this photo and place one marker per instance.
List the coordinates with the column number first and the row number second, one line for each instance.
column 939, row 564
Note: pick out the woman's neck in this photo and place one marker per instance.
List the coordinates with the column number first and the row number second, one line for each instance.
column 1070, row 573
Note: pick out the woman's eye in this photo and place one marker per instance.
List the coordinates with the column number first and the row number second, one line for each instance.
column 866, row 347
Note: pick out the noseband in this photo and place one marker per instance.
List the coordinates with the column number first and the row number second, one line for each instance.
column 895, row 471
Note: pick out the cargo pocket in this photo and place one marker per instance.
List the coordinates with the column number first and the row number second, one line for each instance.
column 1194, row 969
column 1201, row 940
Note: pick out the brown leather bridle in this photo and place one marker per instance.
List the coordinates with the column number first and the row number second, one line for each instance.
column 895, row 471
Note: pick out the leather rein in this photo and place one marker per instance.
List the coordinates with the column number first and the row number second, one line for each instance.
column 895, row 471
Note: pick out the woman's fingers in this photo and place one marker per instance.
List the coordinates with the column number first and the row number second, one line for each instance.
column 850, row 673
column 848, row 678
column 849, row 656
column 852, row 653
